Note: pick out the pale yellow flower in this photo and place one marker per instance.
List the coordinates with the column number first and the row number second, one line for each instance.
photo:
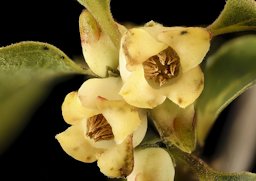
column 156, row 62
column 103, row 126
column 152, row 164
column 99, row 52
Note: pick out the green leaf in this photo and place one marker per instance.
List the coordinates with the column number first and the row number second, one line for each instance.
column 237, row 15
column 100, row 10
column 176, row 124
column 228, row 73
column 27, row 72
column 202, row 171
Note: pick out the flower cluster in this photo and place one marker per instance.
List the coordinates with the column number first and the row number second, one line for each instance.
column 108, row 115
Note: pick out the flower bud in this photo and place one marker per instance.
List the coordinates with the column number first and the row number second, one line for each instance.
column 99, row 52
column 153, row 164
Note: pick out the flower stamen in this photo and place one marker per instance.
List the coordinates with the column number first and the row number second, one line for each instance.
column 98, row 128
column 162, row 67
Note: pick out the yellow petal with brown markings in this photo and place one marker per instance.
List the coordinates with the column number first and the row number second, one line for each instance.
column 137, row 92
column 190, row 43
column 73, row 142
column 186, row 89
column 138, row 45
column 94, row 88
column 117, row 162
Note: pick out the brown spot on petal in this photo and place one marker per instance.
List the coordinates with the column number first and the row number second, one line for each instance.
column 90, row 31
column 88, row 158
column 129, row 160
column 200, row 84
column 183, row 32
column 180, row 100
column 76, row 148
column 129, row 60
column 132, row 58
column 101, row 98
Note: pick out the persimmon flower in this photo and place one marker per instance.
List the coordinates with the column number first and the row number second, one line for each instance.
column 156, row 62
column 98, row 50
column 153, row 164
column 103, row 128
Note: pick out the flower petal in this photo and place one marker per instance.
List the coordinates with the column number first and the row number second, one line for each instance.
column 93, row 88
column 123, row 118
column 124, row 72
column 137, row 92
column 186, row 89
column 152, row 164
column 118, row 161
column 153, row 28
column 73, row 111
column 191, row 44
column 74, row 144
column 140, row 132
column 138, row 45
column 99, row 51
column 176, row 124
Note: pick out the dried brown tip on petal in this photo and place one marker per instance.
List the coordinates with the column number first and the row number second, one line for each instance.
column 162, row 67
column 98, row 128
column 89, row 29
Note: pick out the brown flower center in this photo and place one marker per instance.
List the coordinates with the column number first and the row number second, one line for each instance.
column 98, row 128
column 162, row 67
